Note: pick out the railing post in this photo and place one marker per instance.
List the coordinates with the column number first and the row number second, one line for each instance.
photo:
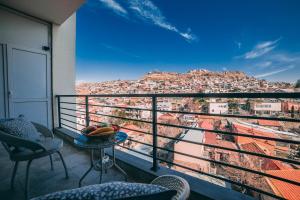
column 58, row 111
column 87, row 117
column 154, row 133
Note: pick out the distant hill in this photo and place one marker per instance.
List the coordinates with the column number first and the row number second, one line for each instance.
column 198, row 80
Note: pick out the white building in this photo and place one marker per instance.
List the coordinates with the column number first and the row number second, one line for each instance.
column 269, row 108
column 217, row 108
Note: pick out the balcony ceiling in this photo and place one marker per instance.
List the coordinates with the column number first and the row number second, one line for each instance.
column 55, row 11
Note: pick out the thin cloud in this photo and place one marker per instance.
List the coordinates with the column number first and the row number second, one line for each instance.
column 275, row 72
column 264, row 64
column 119, row 50
column 261, row 49
column 148, row 12
column 116, row 7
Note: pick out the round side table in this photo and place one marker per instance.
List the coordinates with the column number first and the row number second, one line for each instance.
column 104, row 162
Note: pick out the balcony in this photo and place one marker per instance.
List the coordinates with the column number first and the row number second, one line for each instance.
column 227, row 146
column 243, row 158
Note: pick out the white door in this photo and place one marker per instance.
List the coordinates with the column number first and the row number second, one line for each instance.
column 29, row 84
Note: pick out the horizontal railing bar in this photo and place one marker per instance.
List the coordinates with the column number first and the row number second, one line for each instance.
column 232, row 133
column 125, row 118
column 130, row 129
column 120, row 107
column 224, row 179
column 134, row 150
column 133, row 140
column 70, row 127
column 232, row 116
column 235, row 150
column 73, row 110
column 234, row 166
column 73, row 103
column 71, row 115
column 200, row 95
column 72, row 122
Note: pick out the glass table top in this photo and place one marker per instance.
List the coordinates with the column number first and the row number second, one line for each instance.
column 99, row 143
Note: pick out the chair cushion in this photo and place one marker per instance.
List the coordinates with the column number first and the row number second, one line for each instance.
column 113, row 190
column 20, row 127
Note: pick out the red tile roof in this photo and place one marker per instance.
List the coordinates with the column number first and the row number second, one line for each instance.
column 286, row 190
column 206, row 125
column 252, row 147
column 263, row 122
column 267, row 164
column 166, row 116
column 130, row 132
column 210, row 138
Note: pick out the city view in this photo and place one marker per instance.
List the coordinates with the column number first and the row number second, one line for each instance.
column 212, row 115
column 206, row 66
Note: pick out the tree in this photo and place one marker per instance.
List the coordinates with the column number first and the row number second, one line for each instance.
column 293, row 112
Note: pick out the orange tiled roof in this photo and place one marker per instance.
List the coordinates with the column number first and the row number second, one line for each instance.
column 267, row 164
column 210, row 138
column 286, row 190
column 252, row 147
column 253, row 131
column 206, row 125
column 263, row 122
column 130, row 132
column 166, row 116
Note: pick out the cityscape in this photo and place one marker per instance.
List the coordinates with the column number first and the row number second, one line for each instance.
column 214, row 116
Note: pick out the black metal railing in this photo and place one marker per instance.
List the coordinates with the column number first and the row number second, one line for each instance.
column 64, row 100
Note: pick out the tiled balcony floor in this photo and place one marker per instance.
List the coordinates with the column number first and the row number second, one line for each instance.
column 43, row 180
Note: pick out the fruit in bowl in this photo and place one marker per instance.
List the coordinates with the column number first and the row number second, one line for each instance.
column 116, row 127
column 102, row 130
column 101, row 125
column 88, row 129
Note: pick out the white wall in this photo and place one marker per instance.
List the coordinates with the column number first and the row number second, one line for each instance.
column 64, row 42
column 22, row 31
column 267, row 106
column 218, row 108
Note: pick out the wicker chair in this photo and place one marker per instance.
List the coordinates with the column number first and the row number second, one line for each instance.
column 31, row 150
column 174, row 183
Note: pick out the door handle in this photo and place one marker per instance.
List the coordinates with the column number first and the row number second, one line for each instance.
column 9, row 93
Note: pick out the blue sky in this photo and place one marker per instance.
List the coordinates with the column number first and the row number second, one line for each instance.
column 124, row 39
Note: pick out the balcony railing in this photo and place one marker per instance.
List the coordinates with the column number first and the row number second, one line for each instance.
column 67, row 107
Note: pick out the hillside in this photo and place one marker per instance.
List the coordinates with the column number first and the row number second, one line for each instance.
column 192, row 81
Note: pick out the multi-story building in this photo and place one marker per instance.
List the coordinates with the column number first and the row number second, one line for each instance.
column 266, row 107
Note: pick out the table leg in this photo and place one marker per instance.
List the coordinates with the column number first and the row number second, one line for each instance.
column 117, row 166
column 88, row 171
column 101, row 160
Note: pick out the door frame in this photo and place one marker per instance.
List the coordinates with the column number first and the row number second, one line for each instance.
column 9, row 51
column 4, row 60
column 50, row 59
